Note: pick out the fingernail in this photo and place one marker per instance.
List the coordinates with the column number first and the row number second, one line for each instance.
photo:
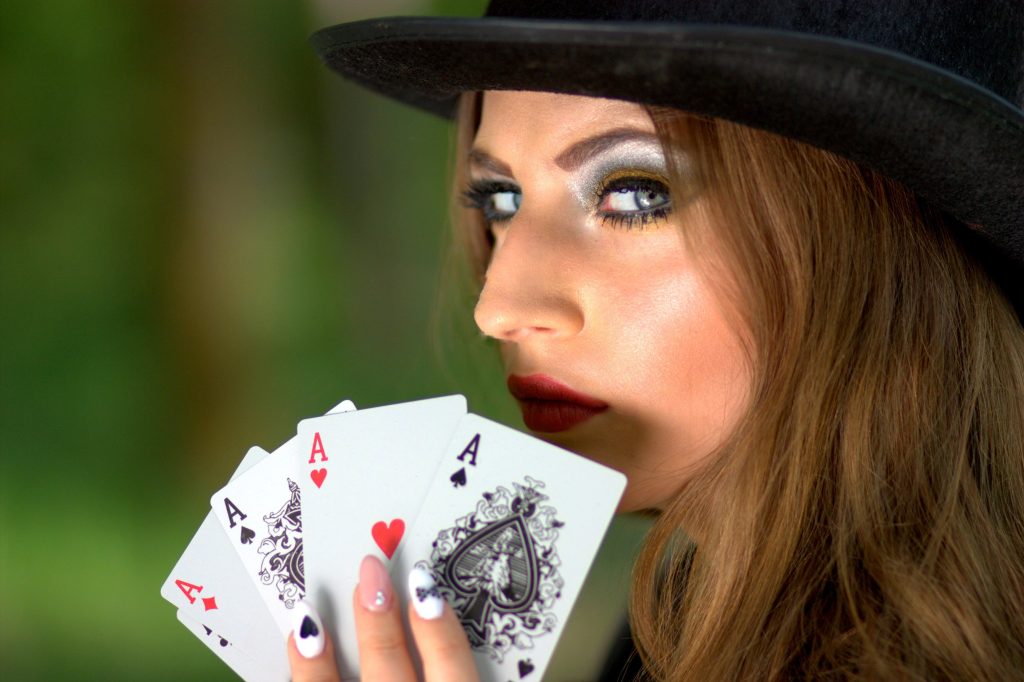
column 374, row 585
column 424, row 595
column 307, row 630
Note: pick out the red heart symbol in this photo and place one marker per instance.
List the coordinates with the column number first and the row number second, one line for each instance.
column 388, row 536
column 318, row 476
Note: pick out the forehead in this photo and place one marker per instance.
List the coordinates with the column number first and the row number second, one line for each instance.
column 512, row 118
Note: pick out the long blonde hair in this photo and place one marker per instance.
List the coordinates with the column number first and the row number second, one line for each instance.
column 865, row 519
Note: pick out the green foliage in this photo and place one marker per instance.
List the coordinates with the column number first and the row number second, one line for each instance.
column 204, row 237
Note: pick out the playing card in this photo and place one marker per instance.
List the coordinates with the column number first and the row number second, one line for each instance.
column 209, row 584
column 508, row 531
column 250, row 668
column 368, row 473
column 261, row 512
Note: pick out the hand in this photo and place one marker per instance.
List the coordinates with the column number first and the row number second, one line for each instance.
column 383, row 650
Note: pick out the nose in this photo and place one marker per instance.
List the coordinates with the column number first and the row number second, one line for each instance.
column 530, row 288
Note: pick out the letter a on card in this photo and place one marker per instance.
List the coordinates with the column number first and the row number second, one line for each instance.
column 318, row 476
column 187, row 589
column 470, row 450
column 318, row 449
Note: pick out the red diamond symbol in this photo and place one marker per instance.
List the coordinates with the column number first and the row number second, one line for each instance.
column 209, row 603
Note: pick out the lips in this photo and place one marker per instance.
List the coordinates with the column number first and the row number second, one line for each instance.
column 549, row 406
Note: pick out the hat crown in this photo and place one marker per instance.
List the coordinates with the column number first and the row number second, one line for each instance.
column 980, row 40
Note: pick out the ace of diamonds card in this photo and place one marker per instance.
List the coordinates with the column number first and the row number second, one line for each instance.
column 220, row 606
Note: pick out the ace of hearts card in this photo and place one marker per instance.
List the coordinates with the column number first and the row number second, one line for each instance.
column 376, row 465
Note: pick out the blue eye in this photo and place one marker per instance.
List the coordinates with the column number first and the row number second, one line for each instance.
column 506, row 202
column 633, row 200
column 498, row 200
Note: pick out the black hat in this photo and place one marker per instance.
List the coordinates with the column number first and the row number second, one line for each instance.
column 928, row 93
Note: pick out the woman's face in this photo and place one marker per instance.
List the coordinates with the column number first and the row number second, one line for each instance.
column 612, row 342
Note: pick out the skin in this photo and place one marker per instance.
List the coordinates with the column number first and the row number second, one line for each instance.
column 622, row 315
column 384, row 649
column 619, row 313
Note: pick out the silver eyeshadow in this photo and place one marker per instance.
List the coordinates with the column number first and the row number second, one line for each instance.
column 628, row 155
column 631, row 154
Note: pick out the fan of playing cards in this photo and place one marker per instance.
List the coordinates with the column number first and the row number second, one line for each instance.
column 507, row 525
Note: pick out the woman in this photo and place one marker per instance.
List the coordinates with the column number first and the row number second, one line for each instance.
column 805, row 355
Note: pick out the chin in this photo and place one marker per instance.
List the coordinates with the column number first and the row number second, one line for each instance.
column 633, row 500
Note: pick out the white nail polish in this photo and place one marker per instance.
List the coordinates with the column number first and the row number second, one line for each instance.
column 424, row 595
column 307, row 630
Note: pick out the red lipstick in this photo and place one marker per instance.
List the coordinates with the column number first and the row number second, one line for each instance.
column 550, row 406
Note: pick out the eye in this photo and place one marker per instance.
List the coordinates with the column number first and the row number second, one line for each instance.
column 625, row 200
column 498, row 200
column 633, row 200
column 506, row 202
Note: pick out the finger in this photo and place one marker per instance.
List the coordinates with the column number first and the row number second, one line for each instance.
column 439, row 636
column 383, row 652
column 310, row 652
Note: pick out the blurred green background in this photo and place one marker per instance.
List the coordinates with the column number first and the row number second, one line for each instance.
column 205, row 236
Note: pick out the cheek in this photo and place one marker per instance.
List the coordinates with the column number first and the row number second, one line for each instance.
column 682, row 368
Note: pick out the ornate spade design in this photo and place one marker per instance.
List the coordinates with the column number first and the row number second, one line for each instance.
column 283, row 565
column 496, row 567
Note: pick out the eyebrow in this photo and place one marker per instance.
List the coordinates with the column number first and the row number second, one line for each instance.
column 573, row 156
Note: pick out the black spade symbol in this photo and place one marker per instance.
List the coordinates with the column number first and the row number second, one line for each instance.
column 459, row 477
column 223, row 642
column 308, row 628
column 496, row 568
column 247, row 536
column 525, row 667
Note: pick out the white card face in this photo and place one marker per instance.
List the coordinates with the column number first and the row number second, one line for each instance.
column 251, row 669
column 261, row 513
column 509, row 529
column 378, row 464
column 219, row 645
column 208, row 582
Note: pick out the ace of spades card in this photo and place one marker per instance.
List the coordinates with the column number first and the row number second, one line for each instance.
column 380, row 461
column 510, row 540
column 261, row 511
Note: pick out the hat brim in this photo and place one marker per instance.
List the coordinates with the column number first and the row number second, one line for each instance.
column 954, row 143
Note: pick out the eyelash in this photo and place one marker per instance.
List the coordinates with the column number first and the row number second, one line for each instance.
column 478, row 195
